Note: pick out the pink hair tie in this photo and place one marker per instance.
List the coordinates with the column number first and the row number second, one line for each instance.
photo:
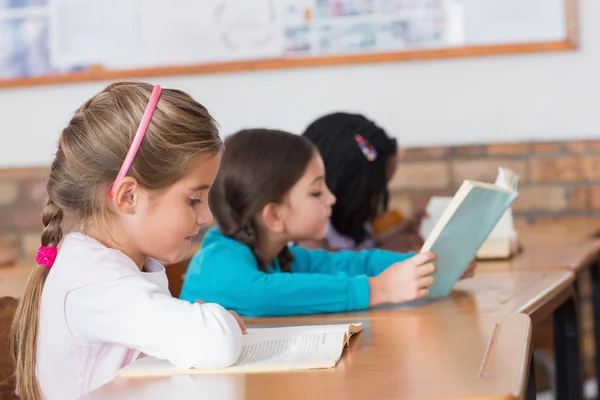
column 46, row 256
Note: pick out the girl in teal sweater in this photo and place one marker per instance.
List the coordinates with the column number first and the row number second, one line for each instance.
column 271, row 191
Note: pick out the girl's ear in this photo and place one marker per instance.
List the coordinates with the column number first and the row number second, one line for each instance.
column 126, row 195
column 272, row 218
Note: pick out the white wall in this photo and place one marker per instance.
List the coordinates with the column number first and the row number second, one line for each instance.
column 459, row 101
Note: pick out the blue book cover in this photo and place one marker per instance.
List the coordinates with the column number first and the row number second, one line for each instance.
column 466, row 223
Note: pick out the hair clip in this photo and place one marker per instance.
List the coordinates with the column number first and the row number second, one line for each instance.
column 368, row 150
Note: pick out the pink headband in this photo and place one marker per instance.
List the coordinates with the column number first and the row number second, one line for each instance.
column 139, row 136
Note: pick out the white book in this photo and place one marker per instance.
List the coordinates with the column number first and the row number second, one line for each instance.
column 266, row 350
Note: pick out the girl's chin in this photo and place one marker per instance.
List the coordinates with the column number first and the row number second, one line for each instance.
column 317, row 235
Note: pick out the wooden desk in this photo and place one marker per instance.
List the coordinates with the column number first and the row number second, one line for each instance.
column 558, row 228
column 553, row 254
column 560, row 243
column 535, row 293
column 415, row 356
column 565, row 243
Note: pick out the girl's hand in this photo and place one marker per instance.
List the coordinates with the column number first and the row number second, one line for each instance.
column 237, row 318
column 240, row 322
column 404, row 281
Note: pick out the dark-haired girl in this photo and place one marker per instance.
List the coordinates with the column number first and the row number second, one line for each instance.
column 271, row 191
column 360, row 159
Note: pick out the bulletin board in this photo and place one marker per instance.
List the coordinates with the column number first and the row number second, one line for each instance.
column 65, row 41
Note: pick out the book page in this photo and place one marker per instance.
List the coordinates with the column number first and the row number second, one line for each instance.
column 504, row 229
column 269, row 349
column 313, row 348
column 507, row 179
column 435, row 209
column 305, row 329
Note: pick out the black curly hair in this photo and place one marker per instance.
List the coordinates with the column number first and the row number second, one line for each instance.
column 359, row 185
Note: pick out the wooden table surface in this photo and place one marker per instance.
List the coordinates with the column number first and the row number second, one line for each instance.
column 567, row 243
column 575, row 256
column 412, row 356
column 535, row 293
column 563, row 228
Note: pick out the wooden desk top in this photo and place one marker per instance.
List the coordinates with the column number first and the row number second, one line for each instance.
column 566, row 243
column 558, row 228
column 574, row 256
column 535, row 293
column 416, row 356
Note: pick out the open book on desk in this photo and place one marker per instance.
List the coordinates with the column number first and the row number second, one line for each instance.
column 268, row 350
column 464, row 225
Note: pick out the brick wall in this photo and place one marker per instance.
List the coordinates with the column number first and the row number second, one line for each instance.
column 557, row 178
column 22, row 193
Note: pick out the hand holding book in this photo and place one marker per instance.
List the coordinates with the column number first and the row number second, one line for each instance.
column 404, row 281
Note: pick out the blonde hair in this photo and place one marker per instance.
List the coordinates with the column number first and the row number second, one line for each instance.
column 90, row 152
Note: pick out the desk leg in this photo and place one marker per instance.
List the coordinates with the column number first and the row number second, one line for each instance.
column 594, row 275
column 569, row 385
column 531, row 393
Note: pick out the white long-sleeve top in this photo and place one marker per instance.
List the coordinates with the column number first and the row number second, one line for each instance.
column 99, row 311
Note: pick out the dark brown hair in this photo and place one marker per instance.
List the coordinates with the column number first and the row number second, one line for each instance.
column 90, row 152
column 259, row 167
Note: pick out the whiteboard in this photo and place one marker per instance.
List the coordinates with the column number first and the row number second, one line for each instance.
column 44, row 40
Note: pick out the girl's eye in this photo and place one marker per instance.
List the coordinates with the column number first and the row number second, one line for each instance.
column 195, row 202
column 316, row 194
